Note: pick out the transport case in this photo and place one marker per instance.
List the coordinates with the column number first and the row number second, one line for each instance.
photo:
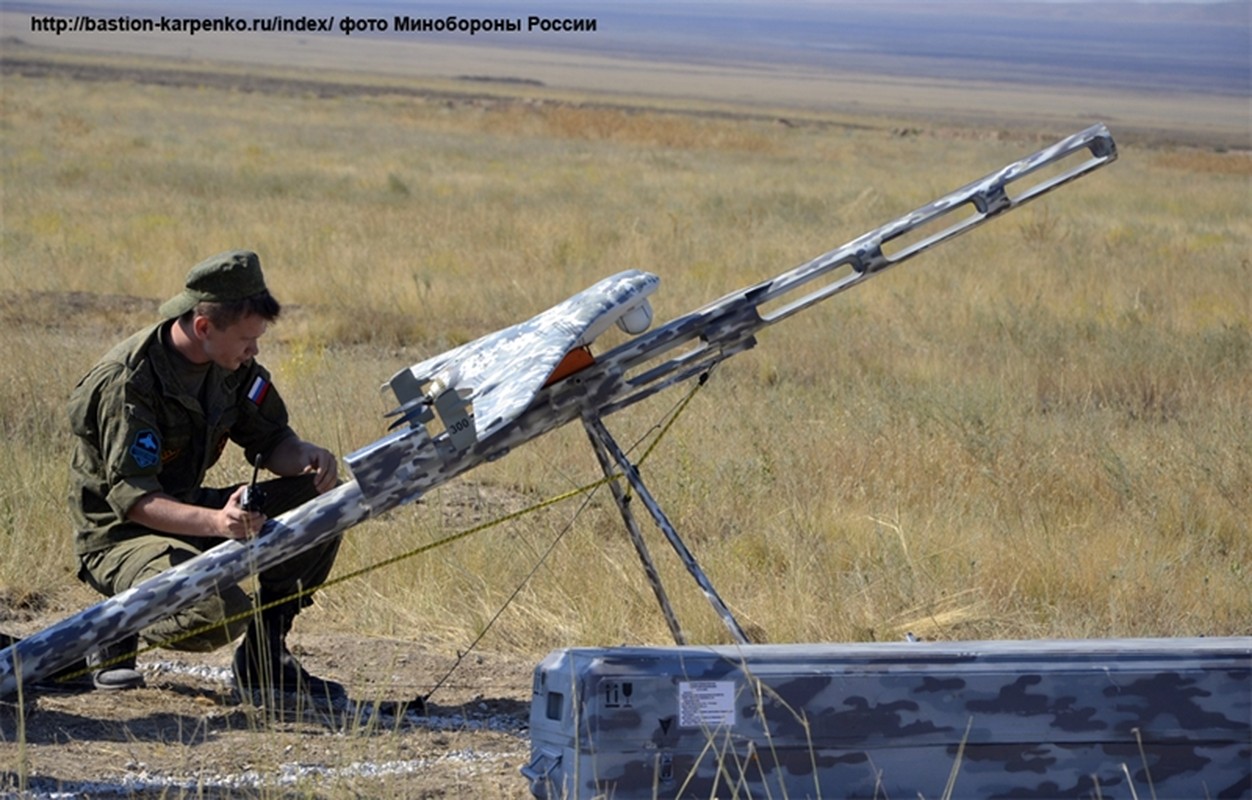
column 1160, row 718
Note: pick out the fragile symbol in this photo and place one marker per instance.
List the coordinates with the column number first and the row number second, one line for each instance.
column 617, row 695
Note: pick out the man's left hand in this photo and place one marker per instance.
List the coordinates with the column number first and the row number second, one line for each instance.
column 323, row 463
column 298, row 457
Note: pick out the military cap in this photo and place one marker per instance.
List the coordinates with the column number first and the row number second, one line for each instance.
column 222, row 278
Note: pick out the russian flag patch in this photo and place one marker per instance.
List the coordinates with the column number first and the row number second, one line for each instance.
column 260, row 388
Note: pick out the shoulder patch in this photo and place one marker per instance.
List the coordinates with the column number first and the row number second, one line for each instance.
column 260, row 387
column 145, row 448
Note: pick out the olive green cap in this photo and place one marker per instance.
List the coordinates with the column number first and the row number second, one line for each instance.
column 222, row 278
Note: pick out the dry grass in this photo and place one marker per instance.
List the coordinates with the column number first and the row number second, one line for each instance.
column 1042, row 430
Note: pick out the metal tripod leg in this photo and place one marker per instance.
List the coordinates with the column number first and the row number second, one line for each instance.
column 601, row 437
column 636, row 538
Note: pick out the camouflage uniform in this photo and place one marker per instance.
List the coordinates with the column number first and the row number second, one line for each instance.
column 138, row 431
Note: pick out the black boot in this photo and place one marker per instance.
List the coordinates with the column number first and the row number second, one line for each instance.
column 113, row 666
column 267, row 674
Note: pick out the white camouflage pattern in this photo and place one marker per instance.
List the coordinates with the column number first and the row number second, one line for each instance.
column 499, row 373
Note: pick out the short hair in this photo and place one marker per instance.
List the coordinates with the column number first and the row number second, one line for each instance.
column 226, row 313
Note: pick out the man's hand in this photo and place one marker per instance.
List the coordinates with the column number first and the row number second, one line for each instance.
column 296, row 457
column 322, row 462
column 234, row 522
column 163, row 513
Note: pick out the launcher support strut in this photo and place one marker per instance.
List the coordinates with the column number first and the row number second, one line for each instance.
column 636, row 537
column 601, row 436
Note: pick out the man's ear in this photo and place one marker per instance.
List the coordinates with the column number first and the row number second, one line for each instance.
column 200, row 326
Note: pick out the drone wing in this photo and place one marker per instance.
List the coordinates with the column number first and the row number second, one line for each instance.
column 500, row 373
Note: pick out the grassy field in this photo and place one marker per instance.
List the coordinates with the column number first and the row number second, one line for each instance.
column 1041, row 430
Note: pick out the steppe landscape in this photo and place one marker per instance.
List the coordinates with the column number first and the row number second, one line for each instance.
column 1040, row 430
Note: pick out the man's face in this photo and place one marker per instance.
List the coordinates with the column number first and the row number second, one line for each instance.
column 236, row 344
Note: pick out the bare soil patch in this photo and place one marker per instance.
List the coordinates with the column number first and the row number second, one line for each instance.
column 186, row 734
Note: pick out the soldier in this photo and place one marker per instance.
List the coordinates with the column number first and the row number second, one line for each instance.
column 150, row 419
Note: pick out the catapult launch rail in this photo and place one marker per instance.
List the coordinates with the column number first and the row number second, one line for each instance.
column 413, row 460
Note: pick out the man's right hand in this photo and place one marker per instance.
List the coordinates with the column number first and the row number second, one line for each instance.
column 163, row 513
column 235, row 522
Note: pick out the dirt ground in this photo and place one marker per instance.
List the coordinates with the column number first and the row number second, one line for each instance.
column 185, row 734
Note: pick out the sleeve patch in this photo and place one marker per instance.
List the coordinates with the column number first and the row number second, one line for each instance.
column 145, row 448
column 260, row 387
